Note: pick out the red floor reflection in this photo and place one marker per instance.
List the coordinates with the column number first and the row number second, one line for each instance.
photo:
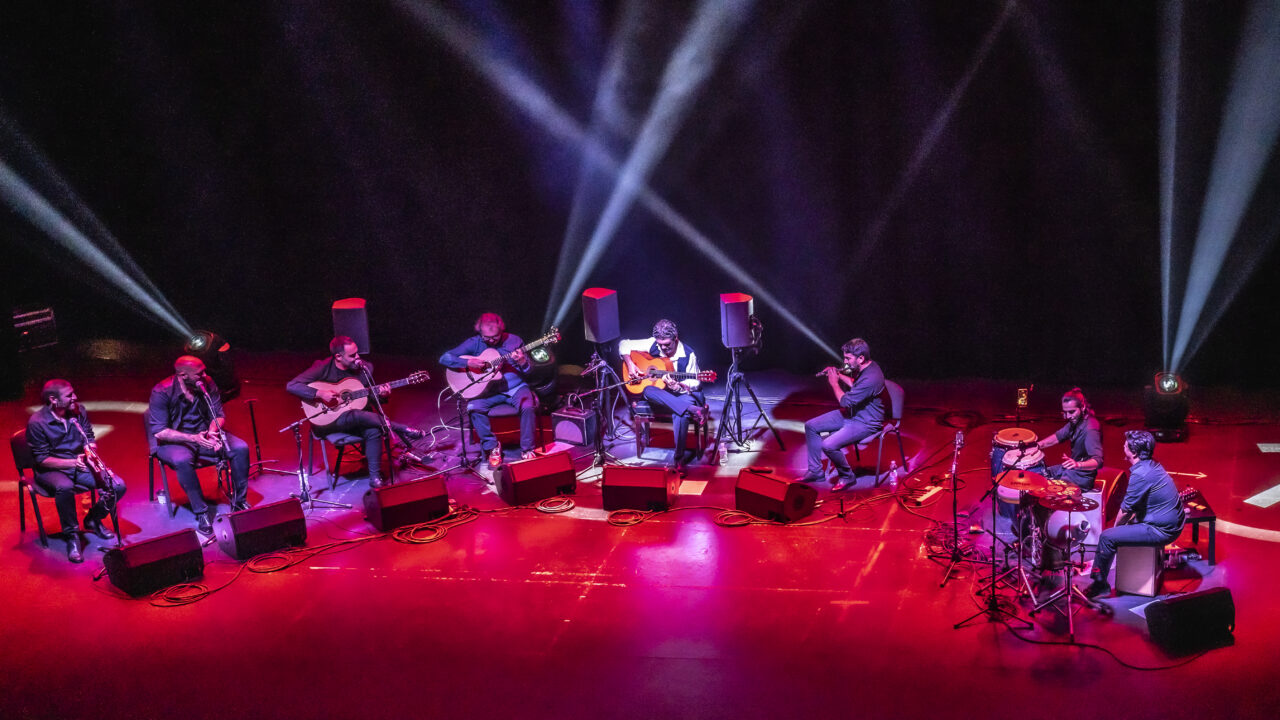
column 526, row 614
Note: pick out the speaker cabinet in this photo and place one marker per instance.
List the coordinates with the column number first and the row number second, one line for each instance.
column 528, row 481
column 141, row 568
column 251, row 532
column 1192, row 622
column 409, row 503
column 735, row 320
column 350, row 319
column 600, row 314
column 574, row 426
column 766, row 495
column 638, row 488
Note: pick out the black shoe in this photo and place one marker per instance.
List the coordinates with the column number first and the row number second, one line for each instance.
column 410, row 434
column 843, row 482
column 1096, row 588
column 813, row 477
column 73, row 547
column 95, row 526
column 240, row 506
column 204, row 523
column 376, row 481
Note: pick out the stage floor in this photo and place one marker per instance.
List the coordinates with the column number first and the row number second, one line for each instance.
column 521, row 613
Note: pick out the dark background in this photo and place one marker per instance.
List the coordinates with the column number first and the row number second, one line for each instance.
column 262, row 159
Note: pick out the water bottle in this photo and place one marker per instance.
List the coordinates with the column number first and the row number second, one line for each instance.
column 893, row 474
column 162, row 497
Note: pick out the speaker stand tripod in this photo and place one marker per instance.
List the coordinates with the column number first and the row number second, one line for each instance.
column 258, row 467
column 731, row 415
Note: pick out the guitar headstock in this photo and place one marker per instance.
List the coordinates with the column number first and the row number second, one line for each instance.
column 418, row 377
column 707, row 376
column 552, row 336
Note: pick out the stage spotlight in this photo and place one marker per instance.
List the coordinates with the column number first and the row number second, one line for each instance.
column 1165, row 406
column 1168, row 383
column 215, row 352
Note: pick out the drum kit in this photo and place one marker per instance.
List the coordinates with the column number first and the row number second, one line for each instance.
column 1046, row 512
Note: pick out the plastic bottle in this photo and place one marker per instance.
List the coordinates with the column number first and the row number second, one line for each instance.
column 162, row 497
column 893, row 474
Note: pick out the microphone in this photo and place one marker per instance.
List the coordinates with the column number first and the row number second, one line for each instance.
column 959, row 439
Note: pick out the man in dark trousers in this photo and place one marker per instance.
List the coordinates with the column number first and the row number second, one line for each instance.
column 857, row 388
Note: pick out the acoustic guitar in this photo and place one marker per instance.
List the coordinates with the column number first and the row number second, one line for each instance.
column 352, row 395
column 472, row 384
column 652, row 371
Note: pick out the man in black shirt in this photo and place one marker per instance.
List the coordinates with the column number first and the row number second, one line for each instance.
column 184, row 422
column 1151, row 513
column 1085, row 434
column 344, row 362
column 860, row 415
column 58, row 434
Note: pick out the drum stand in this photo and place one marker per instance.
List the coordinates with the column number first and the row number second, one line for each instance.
column 1020, row 581
column 1069, row 590
column 993, row 612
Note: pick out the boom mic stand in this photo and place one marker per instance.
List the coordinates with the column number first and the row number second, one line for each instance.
column 304, row 487
column 992, row 611
column 382, row 418
column 731, row 422
column 957, row 555
column 606, row 380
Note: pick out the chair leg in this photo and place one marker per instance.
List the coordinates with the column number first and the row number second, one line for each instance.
column 22, row 510
column 337, row 465
column 164, row 478
column 901, row 452
column 879, row 457
column 151, row 477
column 35, row 506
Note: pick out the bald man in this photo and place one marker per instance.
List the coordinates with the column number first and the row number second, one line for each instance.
column 183, row 424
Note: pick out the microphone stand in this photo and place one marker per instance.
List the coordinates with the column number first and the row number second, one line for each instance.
column 382, row 417
column 956, row 555
column 304, row 487
column 224, row 453
column 992, row 610
column 606, row 380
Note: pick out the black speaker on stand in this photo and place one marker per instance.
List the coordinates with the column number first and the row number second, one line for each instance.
column 351, row 319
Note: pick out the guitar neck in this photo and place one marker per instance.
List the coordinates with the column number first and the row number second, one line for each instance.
column 364, row 392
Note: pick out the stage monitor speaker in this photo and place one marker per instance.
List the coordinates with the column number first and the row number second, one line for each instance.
column 638, row 488
column 247, row 533
column 1193, row 622
column 528, row 481
column 600, row 314
column 408, row 503
column 735, row 320
column 769, row 496
column 350, row 319
column 143, row 567
column 574, row 426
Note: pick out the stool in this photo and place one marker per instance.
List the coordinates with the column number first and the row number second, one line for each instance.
column 1138, row 569
column 643, row 416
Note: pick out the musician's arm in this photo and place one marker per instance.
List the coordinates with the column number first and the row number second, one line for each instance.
column 300, row 386
column 453, row 358
column 1049, row 441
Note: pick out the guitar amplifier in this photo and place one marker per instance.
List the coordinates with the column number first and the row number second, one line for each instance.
column 574, row 426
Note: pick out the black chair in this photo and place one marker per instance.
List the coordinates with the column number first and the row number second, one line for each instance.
column 894, row 400
column 23, row 460
column 643, row 415
column 224, row 477
column 339, row 440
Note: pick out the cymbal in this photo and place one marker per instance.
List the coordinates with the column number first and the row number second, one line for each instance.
column 1057, row 486
column 1023, row 480
column 1069, row 502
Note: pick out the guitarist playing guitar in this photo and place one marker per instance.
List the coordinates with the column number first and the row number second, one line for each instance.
column 682, row 397
column 342, row 364
column 504, row 371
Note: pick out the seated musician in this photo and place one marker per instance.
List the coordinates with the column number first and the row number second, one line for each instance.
column 1085, row 433
column 344, row 362
column 682, row 398
column 861, row 414
column 506, row 388
column 184, row 423
column 1151, row 513
column 58, row 435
